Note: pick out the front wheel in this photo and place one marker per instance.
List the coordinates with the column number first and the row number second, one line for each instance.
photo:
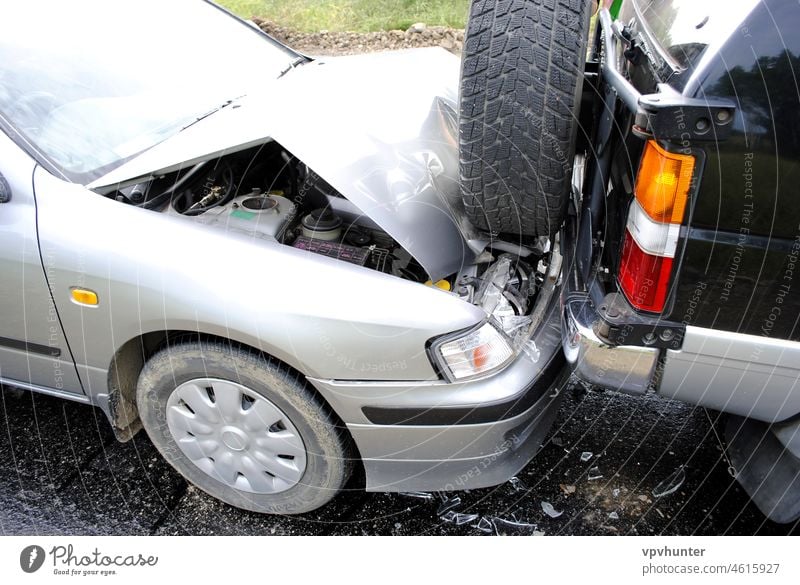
column 243, row 428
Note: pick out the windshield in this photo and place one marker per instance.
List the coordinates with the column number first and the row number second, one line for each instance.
column 92, row 83
column 684, row 28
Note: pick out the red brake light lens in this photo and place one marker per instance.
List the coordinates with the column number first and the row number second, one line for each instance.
column 644, row 278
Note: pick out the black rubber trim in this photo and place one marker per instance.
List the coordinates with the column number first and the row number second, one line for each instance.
column 30, row 347
column 471, row 415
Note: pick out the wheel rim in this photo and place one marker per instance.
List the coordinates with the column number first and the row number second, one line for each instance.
column 236, row 436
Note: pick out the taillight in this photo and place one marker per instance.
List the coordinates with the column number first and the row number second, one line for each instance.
column 654, row 219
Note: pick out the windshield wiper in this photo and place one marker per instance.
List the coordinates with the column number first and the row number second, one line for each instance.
column 224, row 104
column 294, row 63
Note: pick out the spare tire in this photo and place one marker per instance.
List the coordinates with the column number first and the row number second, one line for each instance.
column 521, row 79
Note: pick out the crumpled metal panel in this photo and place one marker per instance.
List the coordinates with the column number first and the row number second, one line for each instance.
column 379, row 128
column 382, row 130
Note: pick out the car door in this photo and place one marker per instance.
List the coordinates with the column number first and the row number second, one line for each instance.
column 34, row 352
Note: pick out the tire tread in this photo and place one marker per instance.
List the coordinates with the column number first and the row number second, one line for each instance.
column 522, row 71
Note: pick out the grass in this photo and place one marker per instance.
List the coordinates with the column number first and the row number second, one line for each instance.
column 353, row 15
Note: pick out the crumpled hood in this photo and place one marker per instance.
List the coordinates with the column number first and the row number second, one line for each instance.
column 379, row 128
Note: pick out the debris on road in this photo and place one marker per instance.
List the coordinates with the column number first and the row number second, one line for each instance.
column 671, row 484
column 418, row 495
column 594, row 473
column 514, row 527
column 548, row 509
column 484, row 525
column 517, row 484
column 448, row 504
column 459, row 519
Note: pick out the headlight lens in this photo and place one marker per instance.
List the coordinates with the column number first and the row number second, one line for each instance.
column 474, row 353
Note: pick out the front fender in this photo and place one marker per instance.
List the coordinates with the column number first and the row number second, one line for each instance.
column 155, row 272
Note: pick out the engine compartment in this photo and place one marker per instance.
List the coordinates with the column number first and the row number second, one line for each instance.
column 267, row 193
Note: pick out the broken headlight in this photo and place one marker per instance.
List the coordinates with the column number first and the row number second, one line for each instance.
column 473, row 353
column 506, row 292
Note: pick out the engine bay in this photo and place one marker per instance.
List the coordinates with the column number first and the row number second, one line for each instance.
column 267, row 193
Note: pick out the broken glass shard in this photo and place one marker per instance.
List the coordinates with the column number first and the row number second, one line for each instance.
column 459, row 519
column 548, row 509
column 484, row 525
column 670, row 484
column 585, row 456
column 418, row 495
column 504, row 527
column 517, row 484
column 594, row 473
column 448, row 504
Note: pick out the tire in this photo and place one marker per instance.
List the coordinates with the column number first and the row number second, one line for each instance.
column 521, row 80
column 187, row 398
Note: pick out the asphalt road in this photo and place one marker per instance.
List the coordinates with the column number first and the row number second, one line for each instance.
column 62, row 472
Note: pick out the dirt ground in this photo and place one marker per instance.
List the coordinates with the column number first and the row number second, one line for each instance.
column 348, row 43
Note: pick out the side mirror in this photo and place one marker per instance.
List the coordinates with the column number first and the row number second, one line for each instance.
column 5, row 190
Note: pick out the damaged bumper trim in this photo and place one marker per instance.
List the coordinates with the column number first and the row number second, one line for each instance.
column 436, row 435
column 471, row 414
column 443, row 458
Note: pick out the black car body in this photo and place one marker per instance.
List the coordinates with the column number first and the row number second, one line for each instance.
column 695, row 297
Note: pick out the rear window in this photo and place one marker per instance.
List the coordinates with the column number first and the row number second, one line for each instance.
column 683, row 29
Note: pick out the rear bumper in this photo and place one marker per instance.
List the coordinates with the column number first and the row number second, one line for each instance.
column 435, row 435
column 617, row 367
column 625, row 368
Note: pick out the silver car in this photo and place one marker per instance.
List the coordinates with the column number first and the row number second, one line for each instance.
column 262, row 259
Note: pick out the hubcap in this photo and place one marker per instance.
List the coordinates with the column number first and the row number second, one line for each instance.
column 236, row 436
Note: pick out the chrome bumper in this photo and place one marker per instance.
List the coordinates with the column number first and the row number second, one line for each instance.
column 593, row 360
column 624, row 368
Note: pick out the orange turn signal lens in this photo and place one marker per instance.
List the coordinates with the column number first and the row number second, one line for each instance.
column 663, row 182
column 84, row 296
column 481, row 356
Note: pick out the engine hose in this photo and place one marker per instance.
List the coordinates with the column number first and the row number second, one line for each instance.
column 227, row 178
column 159, row 200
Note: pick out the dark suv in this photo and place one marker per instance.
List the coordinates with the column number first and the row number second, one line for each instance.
column 676, row 209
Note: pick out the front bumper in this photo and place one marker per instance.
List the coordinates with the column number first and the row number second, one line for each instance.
column 435, row 435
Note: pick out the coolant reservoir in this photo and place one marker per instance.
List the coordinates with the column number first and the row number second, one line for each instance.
column 261, row 216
